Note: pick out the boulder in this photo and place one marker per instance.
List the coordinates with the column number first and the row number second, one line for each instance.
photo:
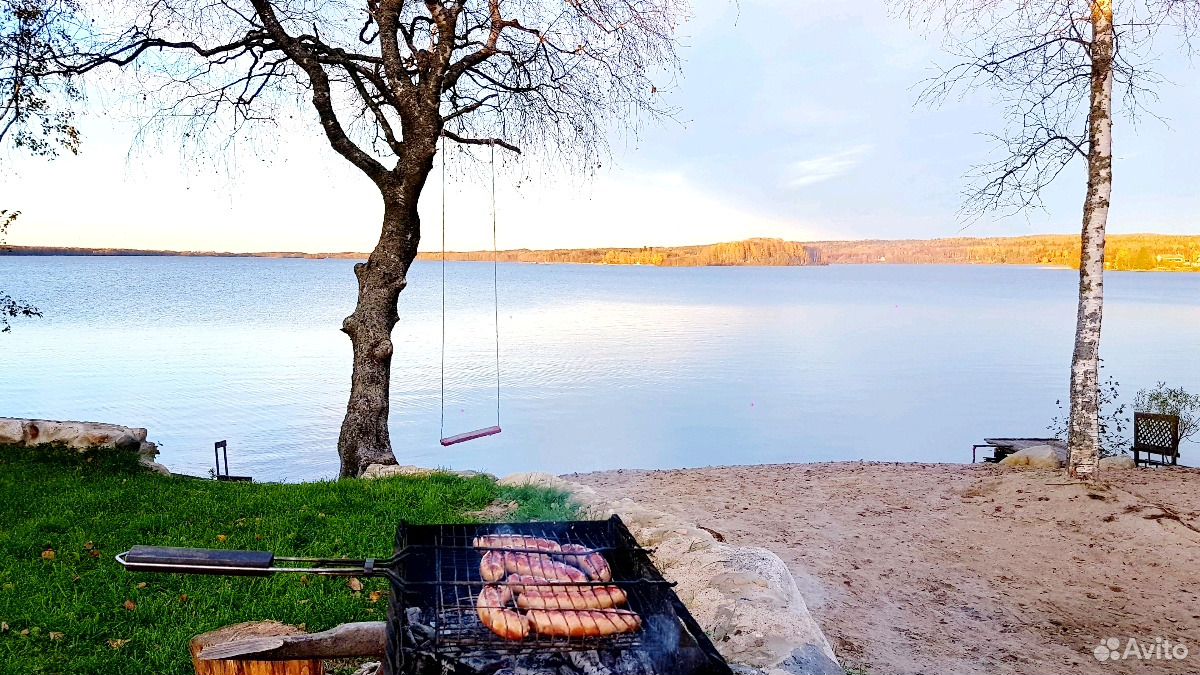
column 1117, row 462
column 12, row 432
column 81, row 436
column 75, row 435
column 391, row 470
column 1037, row 457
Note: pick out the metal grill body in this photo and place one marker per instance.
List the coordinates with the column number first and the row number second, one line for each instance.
column 433, row 626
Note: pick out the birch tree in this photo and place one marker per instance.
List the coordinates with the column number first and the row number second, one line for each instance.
column 1052, row 65
column 387, row 81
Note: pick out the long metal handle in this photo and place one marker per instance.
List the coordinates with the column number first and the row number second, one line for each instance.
column 237, row 563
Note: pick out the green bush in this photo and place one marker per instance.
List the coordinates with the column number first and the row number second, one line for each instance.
column 1164, row 400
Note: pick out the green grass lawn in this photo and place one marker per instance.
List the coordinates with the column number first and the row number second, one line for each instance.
column 77, row 611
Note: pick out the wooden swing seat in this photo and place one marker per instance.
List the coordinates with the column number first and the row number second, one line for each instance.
column 470, row 436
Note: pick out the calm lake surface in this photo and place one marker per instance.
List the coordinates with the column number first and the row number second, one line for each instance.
column 602, row 367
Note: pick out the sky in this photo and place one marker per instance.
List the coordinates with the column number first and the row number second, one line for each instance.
column 797, row 119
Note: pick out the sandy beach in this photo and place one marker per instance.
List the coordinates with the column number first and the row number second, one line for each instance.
column 936, row 568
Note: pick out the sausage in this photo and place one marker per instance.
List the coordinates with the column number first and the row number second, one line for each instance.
column 520, row 542
column 494, row 614
column 592, row 563
column 583, row 623
column 491, row 566
column 599, row 597
column 538, row 565
column 520, row 583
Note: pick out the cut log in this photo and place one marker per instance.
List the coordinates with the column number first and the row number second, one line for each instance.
column 347, row 641
column 271, row 631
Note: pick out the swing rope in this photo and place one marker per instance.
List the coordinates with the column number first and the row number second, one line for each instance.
column 495, row 279
column 487, row 431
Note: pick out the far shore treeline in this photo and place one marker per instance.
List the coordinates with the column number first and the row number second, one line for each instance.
column 1125, row 252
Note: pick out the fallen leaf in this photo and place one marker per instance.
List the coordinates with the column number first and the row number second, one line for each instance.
column 25, row 633
column 48, row 554
column 354, row 584
column 141, row 585
column 222, row 537
column 183, row 598
column 95, row 553
column 90, row 545
column 376, row 596
column 55, row 635
column 305, row 580
column 3, row 626
column 130, row 605
column 305, row 601
column 117, row 644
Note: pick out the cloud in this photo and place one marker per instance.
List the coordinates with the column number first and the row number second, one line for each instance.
column 819, row 169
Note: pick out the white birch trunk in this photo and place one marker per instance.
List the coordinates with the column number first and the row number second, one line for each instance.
column 1084, row 438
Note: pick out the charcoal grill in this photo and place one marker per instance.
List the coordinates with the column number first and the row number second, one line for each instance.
column 433, row 625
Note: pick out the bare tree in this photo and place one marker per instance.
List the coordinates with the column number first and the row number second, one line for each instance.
column 388, row 80
column 35, row 110
column 1052, row 65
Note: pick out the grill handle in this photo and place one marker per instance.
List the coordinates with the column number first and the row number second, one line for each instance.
column 244, row 563
column 197, row 561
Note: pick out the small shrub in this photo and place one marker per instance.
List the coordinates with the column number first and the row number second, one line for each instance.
column 1113, row 420
column 1164, row 400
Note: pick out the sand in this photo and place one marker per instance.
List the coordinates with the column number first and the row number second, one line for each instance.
column 922, row 568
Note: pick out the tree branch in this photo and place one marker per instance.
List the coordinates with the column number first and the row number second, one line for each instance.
column 480, row 141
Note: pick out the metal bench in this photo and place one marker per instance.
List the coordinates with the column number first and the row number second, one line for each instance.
column 1155, row 435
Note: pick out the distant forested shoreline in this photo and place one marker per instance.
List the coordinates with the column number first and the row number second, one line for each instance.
column 1140, row 252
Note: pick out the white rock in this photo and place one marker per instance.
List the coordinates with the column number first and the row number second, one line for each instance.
column 155, row 467
column 12, row 432
column 80, row 436
column 1037, row 457
column 1117, row 462
column 390, row 470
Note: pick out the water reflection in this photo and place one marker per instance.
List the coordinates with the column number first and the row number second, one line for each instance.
column 602, row 367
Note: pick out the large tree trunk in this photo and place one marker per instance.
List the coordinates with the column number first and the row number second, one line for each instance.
column 364, row 438
column 1084, row 438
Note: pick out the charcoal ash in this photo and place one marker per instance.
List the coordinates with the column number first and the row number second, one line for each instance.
column 594, row 662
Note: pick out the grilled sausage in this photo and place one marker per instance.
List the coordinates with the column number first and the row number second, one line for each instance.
column 539, row 565
column 519, row 542
column 583, row 597
column 520, row 583
column 491, row 566
column 592, row 563
column 497, row 617
column 583, row 623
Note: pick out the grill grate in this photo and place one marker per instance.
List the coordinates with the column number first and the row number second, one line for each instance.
column 434, row 625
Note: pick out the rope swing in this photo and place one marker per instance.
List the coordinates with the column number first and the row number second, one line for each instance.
column 492, row 430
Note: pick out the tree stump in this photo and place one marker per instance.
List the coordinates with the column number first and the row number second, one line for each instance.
column 244, row 631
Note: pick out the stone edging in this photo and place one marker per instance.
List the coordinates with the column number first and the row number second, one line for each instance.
column 80, row 436
column 744, row 597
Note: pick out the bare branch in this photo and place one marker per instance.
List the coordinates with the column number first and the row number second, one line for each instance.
column 480, row 141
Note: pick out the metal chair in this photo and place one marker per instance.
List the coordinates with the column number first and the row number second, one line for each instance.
column 1155, row 435
column 222, row 447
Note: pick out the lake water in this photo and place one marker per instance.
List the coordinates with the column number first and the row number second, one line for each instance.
column 602, row 367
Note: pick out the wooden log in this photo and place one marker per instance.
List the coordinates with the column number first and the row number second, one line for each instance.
column 249, row 631
column 346, row 641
